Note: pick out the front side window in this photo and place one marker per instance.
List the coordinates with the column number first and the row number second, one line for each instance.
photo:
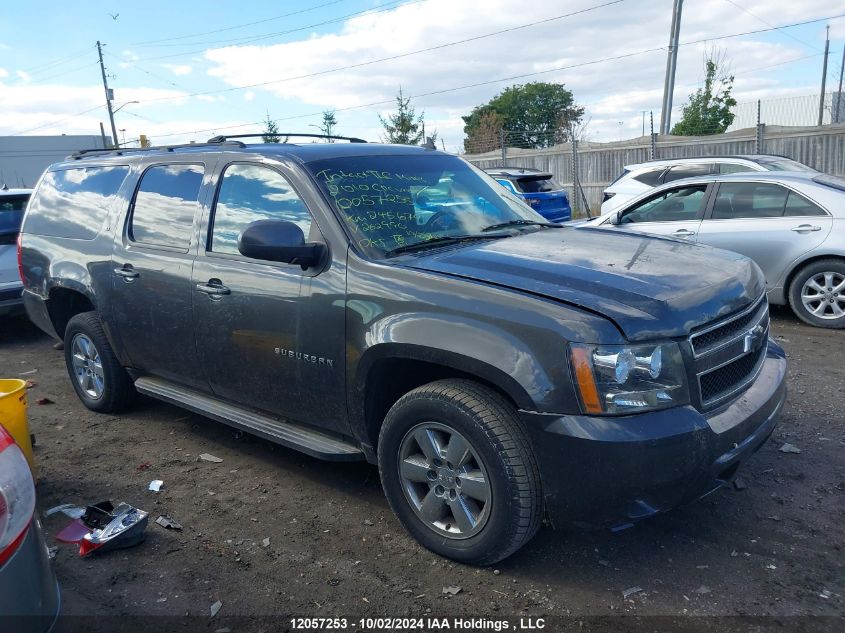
column 74, row 203
column 669, row 206
column 249, row 193
column 165, row 204
column 737, row 200
column 395, row 201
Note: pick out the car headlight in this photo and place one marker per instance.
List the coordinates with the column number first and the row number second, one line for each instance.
column 625, row 379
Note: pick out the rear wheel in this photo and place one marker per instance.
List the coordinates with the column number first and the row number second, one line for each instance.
column 95, row 373
column 817, row 294
column 459, row 473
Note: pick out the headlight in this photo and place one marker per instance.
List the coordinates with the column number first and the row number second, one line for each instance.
column 623, row 379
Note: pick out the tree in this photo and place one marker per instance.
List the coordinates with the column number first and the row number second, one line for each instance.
column 271, row 131
column 328, row 123
column 709, row 108
column 536, row 114
column 404, row 127
column 486, row 136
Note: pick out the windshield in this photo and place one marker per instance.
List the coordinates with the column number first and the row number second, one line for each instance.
column 11, row 213
column 784, row 164
column 391, row 202
column 537, row 185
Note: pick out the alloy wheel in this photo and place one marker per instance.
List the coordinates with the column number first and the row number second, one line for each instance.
column 823, row 295
column 87, row 366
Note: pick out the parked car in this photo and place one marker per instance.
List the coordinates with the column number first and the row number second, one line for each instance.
column 29, row 592
column 638, row 179
column 538, row 188
column 791, row 223
column 484, row 358
column 12, row 206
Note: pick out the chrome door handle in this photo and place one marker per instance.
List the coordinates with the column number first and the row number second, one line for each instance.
column 684, row 233
column 806, row 228
column 126, row 273
column 214, row 289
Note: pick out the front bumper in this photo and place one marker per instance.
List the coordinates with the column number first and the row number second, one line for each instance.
column 611, row 471
column 29, row 593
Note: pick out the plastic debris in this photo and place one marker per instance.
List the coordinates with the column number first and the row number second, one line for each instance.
column 452, row 591
column 630, row 591
column 112, row 527
column 208, row 457
column 167, row 522
column 739, row 484
column 73, row 532
column 52, row 551
column 156, row 485
column 215, row 608
column 789, row 448
column 28, row 373
column 266, row 542
column 703, row 589
column 825, row 593
column 68, row 509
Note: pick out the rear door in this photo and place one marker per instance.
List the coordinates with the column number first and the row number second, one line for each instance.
column 151, row 273
column 676, row 212
column 768, row 222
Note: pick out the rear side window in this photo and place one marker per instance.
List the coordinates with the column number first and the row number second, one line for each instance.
column 163, row 213
column 749, row 200
column 74, row 203
column 249, row 193
column 686, row 171
column 650, row 177
column 797, row 204
column 11, row 215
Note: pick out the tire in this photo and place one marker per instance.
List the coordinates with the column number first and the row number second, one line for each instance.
column 95, row 373
column 497, row 454
column 817, row 294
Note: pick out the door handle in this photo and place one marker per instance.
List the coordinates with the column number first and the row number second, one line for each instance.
column 214, row 288
column 127, row 273
column 684, row 233
column 805, row 228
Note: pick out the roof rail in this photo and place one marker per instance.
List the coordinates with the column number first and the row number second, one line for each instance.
column 225, row 137
column 120, row 151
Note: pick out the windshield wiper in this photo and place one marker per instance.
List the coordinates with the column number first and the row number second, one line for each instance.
column 437, row 241
column 504, row 225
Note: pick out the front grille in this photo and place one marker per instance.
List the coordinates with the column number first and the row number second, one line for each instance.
column 722, row 382
column 729, row 354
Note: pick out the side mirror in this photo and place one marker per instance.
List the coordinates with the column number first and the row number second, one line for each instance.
column 616, row 218
column 279, row 241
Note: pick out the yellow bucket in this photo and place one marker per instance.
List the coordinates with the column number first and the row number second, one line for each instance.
column 13, row 415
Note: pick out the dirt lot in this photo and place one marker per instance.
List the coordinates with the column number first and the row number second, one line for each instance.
column 771, row 546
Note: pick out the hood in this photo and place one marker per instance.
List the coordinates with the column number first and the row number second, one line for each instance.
column 650, row 287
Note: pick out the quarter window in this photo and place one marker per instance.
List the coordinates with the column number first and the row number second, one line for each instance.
column 796, row 204
column 249, row 193
column 749, row 200
column 674, row 205
column 163, row 214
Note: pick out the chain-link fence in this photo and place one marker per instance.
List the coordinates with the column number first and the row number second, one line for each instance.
column 783, row 127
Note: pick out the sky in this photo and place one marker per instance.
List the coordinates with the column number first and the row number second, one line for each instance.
column 197, row 69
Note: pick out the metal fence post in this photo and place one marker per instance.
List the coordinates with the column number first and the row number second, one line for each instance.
column 504, row 147
column 652, row 152
column 574, row 201
column 758, row 139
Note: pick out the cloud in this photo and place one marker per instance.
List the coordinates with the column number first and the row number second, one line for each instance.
column 178, row 69
column 3, row 73
column 22, row 75
column 249, row 95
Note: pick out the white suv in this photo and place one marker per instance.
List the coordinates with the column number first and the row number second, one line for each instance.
column 637, row 179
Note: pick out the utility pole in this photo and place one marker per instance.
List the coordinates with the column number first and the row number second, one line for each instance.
column 671, row 66
column 824, row 75
column 108, row 95
column 839, row 92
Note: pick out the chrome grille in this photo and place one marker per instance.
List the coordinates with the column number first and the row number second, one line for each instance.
column 729, row 354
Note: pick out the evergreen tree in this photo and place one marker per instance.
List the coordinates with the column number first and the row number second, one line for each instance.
column 404, row 127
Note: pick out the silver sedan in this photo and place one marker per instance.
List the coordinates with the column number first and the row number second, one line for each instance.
column 791, row 224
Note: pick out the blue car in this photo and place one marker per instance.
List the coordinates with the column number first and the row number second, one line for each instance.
column 538, row 189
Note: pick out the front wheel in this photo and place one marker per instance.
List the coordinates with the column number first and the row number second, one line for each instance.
column 459, row 472
column 817, row 294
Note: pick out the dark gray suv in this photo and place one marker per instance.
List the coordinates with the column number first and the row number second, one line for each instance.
column 498, row 369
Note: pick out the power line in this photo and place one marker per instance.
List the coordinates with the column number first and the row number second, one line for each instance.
column 39, row 68
column 72, row 116
column 754, row 15
column 237, row 26
column 401, row 55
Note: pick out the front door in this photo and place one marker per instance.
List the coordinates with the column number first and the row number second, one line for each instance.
column 767, row 222
column 675, row 212
column 266, row 339
column 151, row 274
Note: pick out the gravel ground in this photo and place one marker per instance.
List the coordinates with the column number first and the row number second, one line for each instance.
column 771, row 546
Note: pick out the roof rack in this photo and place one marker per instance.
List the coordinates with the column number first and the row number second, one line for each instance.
column 225, row 137
column 120, row 151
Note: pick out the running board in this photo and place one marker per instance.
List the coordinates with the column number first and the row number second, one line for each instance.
column 301, row 438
